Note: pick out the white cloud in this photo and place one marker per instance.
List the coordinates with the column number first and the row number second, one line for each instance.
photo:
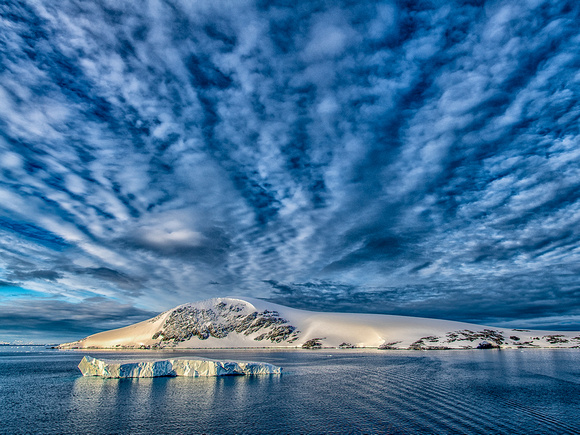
column 353, row 143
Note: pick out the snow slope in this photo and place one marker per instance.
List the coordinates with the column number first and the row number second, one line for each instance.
column 246, row 322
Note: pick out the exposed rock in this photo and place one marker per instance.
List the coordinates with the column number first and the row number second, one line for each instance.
column 388, row 346
column 490, row 335
column 417, row 345
column 186, row 322
column 486, row 345
column 313, row 343
column 346, row 345
column 524, row 344
column 421, row 345
column 555, row 339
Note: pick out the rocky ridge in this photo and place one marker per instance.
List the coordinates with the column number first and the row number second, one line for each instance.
column 188, row 321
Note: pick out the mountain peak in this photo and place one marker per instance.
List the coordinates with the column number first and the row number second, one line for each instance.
column 234, row 322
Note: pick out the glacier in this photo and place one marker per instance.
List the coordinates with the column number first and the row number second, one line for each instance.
column 90, row 366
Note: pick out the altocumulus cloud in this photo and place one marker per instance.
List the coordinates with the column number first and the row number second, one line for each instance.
column 399, row 157
column 39, row 319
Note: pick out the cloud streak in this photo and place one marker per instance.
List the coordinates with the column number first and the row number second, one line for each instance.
column 161, row 152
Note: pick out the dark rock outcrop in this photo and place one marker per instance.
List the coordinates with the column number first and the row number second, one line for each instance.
column 313, row 343
column 187, row 322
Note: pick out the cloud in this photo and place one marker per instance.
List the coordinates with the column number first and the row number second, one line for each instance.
column 60, row 320
column 120, row 279
column 49, row 275
column 547, row 298
column 400, row 150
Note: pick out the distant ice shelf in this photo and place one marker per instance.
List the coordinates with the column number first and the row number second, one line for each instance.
column 90, row 366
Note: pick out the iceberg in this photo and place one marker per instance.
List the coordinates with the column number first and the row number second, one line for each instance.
column 90, row 366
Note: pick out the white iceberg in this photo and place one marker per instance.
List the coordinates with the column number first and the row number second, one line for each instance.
column 90, row 366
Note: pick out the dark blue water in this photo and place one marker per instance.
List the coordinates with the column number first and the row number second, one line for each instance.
column 347, row 391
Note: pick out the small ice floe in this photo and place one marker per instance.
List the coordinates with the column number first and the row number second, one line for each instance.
column 90, row 366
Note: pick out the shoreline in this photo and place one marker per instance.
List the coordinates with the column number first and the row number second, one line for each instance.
column 300, row 349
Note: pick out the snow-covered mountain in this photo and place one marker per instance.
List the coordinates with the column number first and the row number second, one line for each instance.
column 246, row 322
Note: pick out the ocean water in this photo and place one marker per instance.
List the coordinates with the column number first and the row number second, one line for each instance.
column 321, row 391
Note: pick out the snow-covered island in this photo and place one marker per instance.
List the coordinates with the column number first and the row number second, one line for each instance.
column 90, row 366
column 251, row 323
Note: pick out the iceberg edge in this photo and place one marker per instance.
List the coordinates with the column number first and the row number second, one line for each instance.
column 90, row 366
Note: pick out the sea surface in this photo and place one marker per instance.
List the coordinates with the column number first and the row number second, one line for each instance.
column 321, row 391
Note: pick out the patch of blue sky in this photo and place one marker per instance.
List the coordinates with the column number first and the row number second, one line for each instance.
column 33, row 233
column 15, row 292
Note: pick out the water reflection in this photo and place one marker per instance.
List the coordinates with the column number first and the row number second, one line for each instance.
column 129, row 405
column 360, row 392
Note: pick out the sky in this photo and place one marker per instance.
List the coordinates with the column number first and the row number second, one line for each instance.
column 400, row 157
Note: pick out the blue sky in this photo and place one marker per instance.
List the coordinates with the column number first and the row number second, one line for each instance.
column 403, row 157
